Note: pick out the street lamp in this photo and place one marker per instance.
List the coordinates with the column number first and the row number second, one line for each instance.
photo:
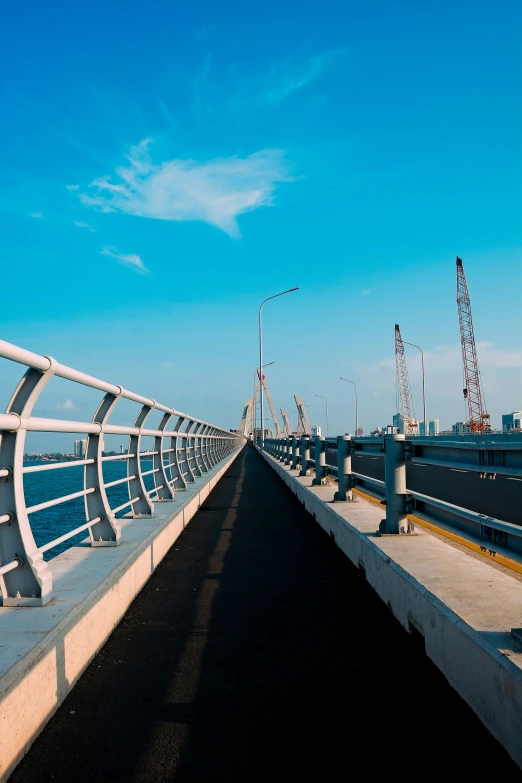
column 356, row 404
column 426, row 427
column 254, row 397
column 261, row 355
column 324, row 398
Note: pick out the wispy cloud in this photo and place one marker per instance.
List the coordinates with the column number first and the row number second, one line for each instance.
column 365, row 291
column 37, row 215
column 215, row 192
column 132, row 261
column 79, row 224
column 68, row 405
column 72, row 187
column 287, row 79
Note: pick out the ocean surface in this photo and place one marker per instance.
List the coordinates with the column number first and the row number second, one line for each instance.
column 49, row 484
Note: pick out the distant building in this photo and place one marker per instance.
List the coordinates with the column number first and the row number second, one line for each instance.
column 80, row 448
column 359, row 432
column 398, row 422
column 511, row 421
column 461, row 428
column 316, row 431
column 433, row 427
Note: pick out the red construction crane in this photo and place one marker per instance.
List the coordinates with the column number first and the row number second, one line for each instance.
column 473, row 393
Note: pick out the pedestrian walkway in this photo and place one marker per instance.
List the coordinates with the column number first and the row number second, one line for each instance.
column 255, row 652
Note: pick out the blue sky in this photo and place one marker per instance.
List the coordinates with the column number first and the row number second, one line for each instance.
column 165, row 167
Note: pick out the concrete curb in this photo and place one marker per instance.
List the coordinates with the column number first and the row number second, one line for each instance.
column 484, row 666
column 51, row 646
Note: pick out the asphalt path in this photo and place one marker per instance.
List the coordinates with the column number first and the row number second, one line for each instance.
column 256, row 651
column 500, row 498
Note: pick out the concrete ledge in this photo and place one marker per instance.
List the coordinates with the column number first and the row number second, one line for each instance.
column 463, row 607
column 44, row 650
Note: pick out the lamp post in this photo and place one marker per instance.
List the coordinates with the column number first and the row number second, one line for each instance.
column 261, row 356
column 426, row 427
column 356, row 403
column 254, row 397
column 326, row 401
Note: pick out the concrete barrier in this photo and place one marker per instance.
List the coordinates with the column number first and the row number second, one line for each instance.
column 44, row 650
column 463, row 607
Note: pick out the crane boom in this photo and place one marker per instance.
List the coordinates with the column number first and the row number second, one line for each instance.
column 245, row 425
column 287, row 427
column 304, row 427
column 270, row 404
column 403, row 382
column 473, row 394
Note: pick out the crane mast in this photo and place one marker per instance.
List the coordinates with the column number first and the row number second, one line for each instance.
column 287, row 427
column 403, row 382
column 473, row 394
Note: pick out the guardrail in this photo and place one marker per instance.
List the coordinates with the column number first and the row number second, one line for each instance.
column 470, row 484
column 179, row 455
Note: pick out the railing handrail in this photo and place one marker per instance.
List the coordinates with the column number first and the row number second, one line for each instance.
column 25, row 578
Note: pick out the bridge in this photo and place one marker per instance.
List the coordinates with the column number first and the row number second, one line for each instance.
column 200, row 607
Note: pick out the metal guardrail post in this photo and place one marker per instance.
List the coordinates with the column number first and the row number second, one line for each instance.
column 305, row 455
column 295, row 452
column 320, row 461
column 288, row 460
column 344, row 468
column 396, row 521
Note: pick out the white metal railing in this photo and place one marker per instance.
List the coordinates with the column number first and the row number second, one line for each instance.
column 194, row 448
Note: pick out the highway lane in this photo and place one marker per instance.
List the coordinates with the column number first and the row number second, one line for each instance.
column 500, row 498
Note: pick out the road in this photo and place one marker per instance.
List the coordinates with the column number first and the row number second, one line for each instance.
column 257, row 651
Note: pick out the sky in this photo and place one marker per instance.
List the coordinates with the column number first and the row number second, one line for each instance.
column 164, row 167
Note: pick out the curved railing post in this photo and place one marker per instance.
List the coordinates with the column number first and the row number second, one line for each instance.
column 164, row 491
column 213, row 447
column 107, row 531
column 186, row 449
column 142, row 505
column 29, row 581
column 196, row 467
column 203, row 448
column 177, row 478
